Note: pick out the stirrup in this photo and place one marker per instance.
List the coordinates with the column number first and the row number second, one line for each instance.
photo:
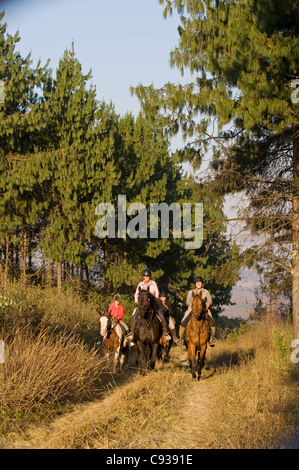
column 179, row 340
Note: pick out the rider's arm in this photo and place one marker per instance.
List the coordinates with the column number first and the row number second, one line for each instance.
column 189, row 299
column 136, row 294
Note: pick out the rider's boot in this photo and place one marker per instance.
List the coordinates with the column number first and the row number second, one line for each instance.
column 174, row 336
column 212, row 340
column 131, row 335
column 181, row 334
column 164, row 325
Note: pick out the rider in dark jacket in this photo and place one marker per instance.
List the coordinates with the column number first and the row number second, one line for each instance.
column 147, row 282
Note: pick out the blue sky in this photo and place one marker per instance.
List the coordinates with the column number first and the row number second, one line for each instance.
column 124, row 43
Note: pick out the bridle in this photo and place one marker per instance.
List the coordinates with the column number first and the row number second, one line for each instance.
column 200, row 316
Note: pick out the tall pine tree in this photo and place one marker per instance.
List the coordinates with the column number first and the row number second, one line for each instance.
column 242, row 108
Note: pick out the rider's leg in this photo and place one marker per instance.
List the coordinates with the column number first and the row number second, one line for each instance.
column 171, row 326
column 164, row 324
column 133, row 323
column 212, row 325
column 183, row 326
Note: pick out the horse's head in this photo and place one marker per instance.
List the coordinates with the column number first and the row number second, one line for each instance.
column 198, row 305
column 144, row 301
column 105, row 322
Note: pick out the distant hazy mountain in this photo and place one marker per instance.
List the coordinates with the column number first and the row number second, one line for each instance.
column 243, row 295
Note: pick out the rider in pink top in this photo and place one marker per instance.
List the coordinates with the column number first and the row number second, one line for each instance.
column 153, row 288
column 116, row 311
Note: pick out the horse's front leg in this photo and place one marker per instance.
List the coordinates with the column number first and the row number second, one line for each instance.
column 201, row 360
column 116, row 355
column 192, row 359
column 154, row 354
column 140, row 355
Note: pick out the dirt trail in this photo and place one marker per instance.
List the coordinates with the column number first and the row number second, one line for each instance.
column 83, row 427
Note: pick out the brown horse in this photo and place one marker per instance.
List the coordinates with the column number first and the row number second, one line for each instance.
column 197, row 335
column 114, row 341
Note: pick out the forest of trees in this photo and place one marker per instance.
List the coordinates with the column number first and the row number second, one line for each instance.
column 62, row 152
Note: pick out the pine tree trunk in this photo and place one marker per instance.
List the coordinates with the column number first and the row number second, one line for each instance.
column 49, row 273
column 1, row 268
column 6, row 260
column 23, row 256
column 86, row 273
column 295, row 250
column 78, row 276
column 43, row 270
column 59, row 276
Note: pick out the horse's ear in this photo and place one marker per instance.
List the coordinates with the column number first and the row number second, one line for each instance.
column 193, row 295
column 139, row 288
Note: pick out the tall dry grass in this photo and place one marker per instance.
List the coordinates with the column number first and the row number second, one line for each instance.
column 256, row 405
column 40, row 369
column 50, row 353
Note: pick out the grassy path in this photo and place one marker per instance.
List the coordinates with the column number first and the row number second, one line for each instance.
column 250, row 401
column 144, row 412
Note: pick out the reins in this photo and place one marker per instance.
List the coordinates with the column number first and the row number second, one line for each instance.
column 203, row 324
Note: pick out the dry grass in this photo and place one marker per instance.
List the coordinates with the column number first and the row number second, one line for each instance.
column 41, row 373
column 256, row 405
column 250, row 400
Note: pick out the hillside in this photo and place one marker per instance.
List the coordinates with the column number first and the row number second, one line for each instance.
column 243, row 296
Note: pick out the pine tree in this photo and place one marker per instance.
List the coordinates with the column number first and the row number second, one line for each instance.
column 241, row 108
column 23, row 93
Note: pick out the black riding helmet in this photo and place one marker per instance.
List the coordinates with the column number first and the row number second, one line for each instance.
column 198, row 279
column 163, row 294
column 146, row 272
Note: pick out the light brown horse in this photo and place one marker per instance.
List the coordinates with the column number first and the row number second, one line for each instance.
column 114, row 341
column 197, row 335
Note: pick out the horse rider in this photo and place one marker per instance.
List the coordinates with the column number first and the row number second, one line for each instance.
column 147, row 282
column 166, row 308
column 206, row 297
column 116, row 310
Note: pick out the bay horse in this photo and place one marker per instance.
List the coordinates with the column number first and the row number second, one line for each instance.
column 197, row 335
column 114, row 341
column 148, row 331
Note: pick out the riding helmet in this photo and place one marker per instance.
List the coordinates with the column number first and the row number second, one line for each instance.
column 146, row 272
column 163, row 294
column 117, row 297
column 198, row 279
